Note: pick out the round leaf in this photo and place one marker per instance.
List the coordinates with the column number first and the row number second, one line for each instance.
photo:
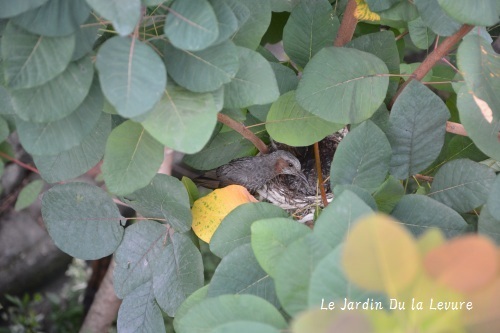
column 286, row 118
column 29, row 194
column 253, row 25
column 124, row 15
column 131, row 159
column 58, row 97
column 436, row 18
column 30, row 60
column 494, row 199
column 191, row 25
column 334, row 94
column 380, row 255
column 462, row 184
column 14, row 8
column 484, row 13
column 82, row 220
column 132, row 75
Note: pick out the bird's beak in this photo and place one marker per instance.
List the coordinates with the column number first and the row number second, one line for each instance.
column 302, row 176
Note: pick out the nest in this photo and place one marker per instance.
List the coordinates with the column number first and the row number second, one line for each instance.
column 303, row 200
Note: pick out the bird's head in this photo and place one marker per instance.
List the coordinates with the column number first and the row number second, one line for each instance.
column 287, row 164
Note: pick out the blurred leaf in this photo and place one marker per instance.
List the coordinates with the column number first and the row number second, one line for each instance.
column 207, row 315
column 321, row 321
column 14, row 8
column 465, row 264
column 31, row 60
column 217, row 65
column 131, row 159
column 245, row 327
column 234, row 229
column 164, row 198
column 239, row 273
column 380, row 255
column 355, row 162
column 139, row 312
column 56, row 98
column 4, row 129
column 286, row 118
column 335, row 95
column 468, row 12
column 494, row 199
column 177, row 272
column 193, row 299
column 361, row 193
column 416, row 130
column 28, row 194
column 124, row 15
column 310, row 27
column 419, row 213
column 488, row 224
column 132, row 75
column 82, row 220
column 191, row 25
column 271, row 237
column 182, row 120
column 210, row 210
column 337, row 219
column 254, row 83
column 462, row 185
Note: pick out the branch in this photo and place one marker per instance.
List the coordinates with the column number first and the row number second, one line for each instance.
column 319, row 171
column 21, row 164
column 433, row 58
column 347, row 26
column 245, row 132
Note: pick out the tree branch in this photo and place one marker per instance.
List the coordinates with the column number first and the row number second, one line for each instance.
column 433, row 58
column 245, row 132
column 319, row 171
column 347, row 26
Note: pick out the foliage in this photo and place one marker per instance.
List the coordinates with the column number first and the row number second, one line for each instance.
column 107, row 81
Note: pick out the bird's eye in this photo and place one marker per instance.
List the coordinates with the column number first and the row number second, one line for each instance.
column 290, row 165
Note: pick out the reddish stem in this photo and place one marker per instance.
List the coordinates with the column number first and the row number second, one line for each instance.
column 245, row 132
column 21, row 164
column 319, row 171
column 347, row 26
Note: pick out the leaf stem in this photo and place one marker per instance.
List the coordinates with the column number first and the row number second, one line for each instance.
column 21, row 164
column 347, row 26
column 245, row 132
column 320, row 174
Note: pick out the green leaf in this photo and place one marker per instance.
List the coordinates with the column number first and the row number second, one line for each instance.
column 420, row 34
column 251, row 30
column 239, row 273
column 388, row 194
column 215, row 311
column 478, row 62
column 142, row 244
column 361, row 193
column 494, row 199
column 254, row 82
column 124, row 15
column 380, row 5
column 488, row 224
column 244, row 326
column 13, row 8
column 5, row 101
column 310, row 27
column 286, row 118
column 294, row 270
column 436, row 18
column 417, row 126
column 177, row 273
column 283, row 5
column 419, row 213
column 77, row 160
column 132, row 75
column 402, row 11
column 139, row 312
column 86, row 37
column 340, row 96
column 29, row 194
column 193, row 299
column 462, row 184
column 182, row 120
column 328, row 283
column 57, row 136
column 338, row 217
column 191, row 25
column 408, row 69
column 271, row 237
column 4, row 129
column 131, row 159
column 483, row 13
column 481, row 131
column 234, row 229
column 191, row 189
column 355, row 163
column 82, row 220
column 217, row 65
column 31, row 60
column 58, row 97
column 163, row 198
column 54, row 17
column 226, row 20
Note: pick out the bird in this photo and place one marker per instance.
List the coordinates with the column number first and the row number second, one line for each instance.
column 253, row 172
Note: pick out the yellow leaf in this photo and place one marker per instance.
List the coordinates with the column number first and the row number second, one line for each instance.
column 380, row 255
column 209, row 211
column 363, row 12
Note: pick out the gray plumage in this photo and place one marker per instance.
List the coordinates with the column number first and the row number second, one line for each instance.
column 255, row 172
